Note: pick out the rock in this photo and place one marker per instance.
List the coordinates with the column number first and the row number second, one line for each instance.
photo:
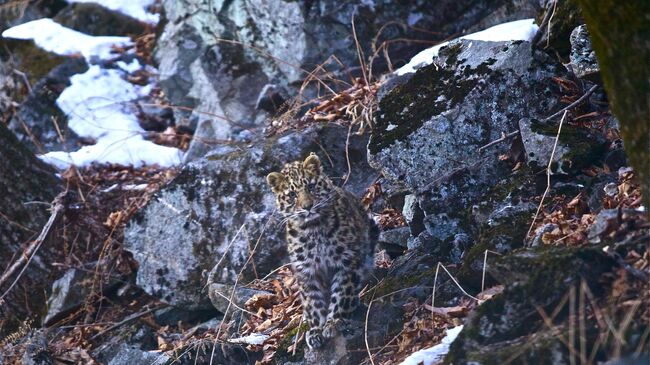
column 38, row 122
column 68, row 292
column 32, row 62
column 396, row 236
column 218, row 57
column 583, row 60
column 24, row 178
column 540, row 146
column 565, row 16
column 271, row 98
column 413, row 214
column 503, row 231
column 220, row 295
column 443, row 111
column 128, row 355
column 19, row 12
column 94, row 19
column 606, row 221
column 539, row 234
column 36, row 349
column 219, row 208
column 510, row 323
column 171, row 316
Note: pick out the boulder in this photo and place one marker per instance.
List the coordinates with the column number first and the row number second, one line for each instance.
column 68, row 293
column 582, row 58
column 217, row 57
column 38, row 122
column 430, row 130
column 94, row 19
column 219, row 211
column 25, row 180
column 128, row 355
column 509, row 328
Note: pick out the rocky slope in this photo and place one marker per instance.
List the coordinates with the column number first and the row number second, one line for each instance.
column 497, row 174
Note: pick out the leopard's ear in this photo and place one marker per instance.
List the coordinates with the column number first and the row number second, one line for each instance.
column 274, row 179
column 312, row 164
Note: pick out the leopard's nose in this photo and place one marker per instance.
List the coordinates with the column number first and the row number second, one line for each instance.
column 307, row 205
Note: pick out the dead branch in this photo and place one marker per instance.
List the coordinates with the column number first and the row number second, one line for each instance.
column 26, row 258
column 572, row 105
column 125, row 321
column 548, row 174
column 503, row 138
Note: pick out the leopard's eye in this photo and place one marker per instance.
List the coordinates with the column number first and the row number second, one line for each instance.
column 292, row 195
column 311, row 186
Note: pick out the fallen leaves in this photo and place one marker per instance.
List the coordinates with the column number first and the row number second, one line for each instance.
column 353, row 106
column 278, row 318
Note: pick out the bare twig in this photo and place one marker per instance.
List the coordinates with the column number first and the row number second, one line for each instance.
column 503, row 138
column 548, row 175
column 580, row 100
column 26, row 258
column 364, row 69
column 542, row 26
column 125, row 321
column 365, row 329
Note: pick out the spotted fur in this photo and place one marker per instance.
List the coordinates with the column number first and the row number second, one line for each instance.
column 331, row 242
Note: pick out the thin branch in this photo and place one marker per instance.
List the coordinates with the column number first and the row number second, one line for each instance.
column 32, row 249
column 503, row 138
column 125, row 321
column 575, row 103
column 548, row 174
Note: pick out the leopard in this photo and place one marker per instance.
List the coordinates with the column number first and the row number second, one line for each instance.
column 331, row 241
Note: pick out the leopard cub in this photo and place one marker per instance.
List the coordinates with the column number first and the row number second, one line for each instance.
column 331, row 243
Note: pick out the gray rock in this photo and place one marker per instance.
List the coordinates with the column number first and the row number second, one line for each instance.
column 413, row 214
column 433, row 126
column 39, row 123
column 68, row 293
column 396, row 236
column 25, row 179
column 219, row 208
column 583, row 60
column 216, row 57
column 539, row 146
column 129, row 355
column 36, row 349
column 94, row 19
column 605, row 221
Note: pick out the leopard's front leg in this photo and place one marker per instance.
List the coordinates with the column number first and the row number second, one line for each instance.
column 314, row 309
column 344, row 300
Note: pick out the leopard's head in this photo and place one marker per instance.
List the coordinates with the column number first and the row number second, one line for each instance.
column 301, row 188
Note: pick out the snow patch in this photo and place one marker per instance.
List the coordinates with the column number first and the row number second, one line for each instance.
column 98, row 106
column 436, row 353
column 512, row 31
column 252, row 339
column 55, row 38
column 134, row 8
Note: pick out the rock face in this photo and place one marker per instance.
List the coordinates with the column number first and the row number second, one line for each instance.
column 430, row 130
column 219, row 210
column 510, row 324
column 23, row 180
column 38, row 122
column 218, row 56
column 583, row 58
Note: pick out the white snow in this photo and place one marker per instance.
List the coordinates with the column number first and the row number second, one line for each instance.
column 436, row 353
column 98, row 106
column 133, row 8
column 252, row 339
column 512, row 31
column 55, row 38
column 98, row 103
